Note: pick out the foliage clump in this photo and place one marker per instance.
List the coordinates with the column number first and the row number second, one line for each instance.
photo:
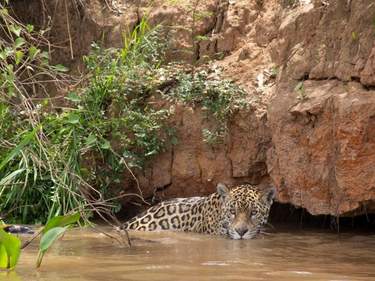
column 117, row 95
column 218, row 97
column 66, row 158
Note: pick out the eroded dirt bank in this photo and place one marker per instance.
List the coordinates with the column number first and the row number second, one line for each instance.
column 309, row 70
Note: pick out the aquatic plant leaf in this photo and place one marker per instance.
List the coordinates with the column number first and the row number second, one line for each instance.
column 50, row 236
column 53, row 230
column 61, row 221
column 10, row 249
column 47, row 240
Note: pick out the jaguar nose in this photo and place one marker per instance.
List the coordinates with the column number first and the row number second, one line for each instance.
column 241, row 231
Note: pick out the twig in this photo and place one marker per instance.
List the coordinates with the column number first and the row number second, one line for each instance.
column 27, row 243
column 69, row 34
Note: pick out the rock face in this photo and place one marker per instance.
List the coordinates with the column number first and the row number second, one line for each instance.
column 323, row 152
column 309, row 70
column 322, row 155
column 193, row 167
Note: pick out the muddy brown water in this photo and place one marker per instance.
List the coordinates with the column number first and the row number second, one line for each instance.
column 84, row 255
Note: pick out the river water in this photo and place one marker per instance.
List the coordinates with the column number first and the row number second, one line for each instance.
column 85, row 255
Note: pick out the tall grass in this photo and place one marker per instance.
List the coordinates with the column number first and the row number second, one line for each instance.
column 39, row 177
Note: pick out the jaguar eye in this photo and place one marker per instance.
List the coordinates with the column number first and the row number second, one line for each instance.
column 253, row 213
column 233, row 211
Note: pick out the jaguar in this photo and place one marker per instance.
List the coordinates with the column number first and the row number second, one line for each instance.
column 238, row 213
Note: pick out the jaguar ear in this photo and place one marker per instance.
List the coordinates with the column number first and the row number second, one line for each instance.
column 222, row 189
column 269, row 195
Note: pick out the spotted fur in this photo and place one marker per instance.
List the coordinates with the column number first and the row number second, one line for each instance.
column 238, row 213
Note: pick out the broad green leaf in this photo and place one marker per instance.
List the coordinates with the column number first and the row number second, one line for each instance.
column 105, row 145
column 33, row 52
column 10, row 249
column 6, row 53
column 29, row 28
column 73, row 118
column 60, row 68
column 61, row 221
column 91, row 139
column 15, row 29
column 44, row 55
column 19, row 42
column 19, row 56
column 48, row 238
column 73, row 96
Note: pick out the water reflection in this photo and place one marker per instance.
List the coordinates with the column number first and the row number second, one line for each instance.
column 283, row 256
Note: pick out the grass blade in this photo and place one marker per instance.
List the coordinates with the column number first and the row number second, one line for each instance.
column 28, row 138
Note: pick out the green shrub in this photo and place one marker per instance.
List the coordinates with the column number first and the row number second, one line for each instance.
column 68, row 156
column 220, row 98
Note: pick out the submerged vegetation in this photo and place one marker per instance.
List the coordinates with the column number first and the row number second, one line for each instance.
column 59, row 155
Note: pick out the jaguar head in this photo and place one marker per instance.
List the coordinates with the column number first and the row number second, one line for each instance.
column 245, row 210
